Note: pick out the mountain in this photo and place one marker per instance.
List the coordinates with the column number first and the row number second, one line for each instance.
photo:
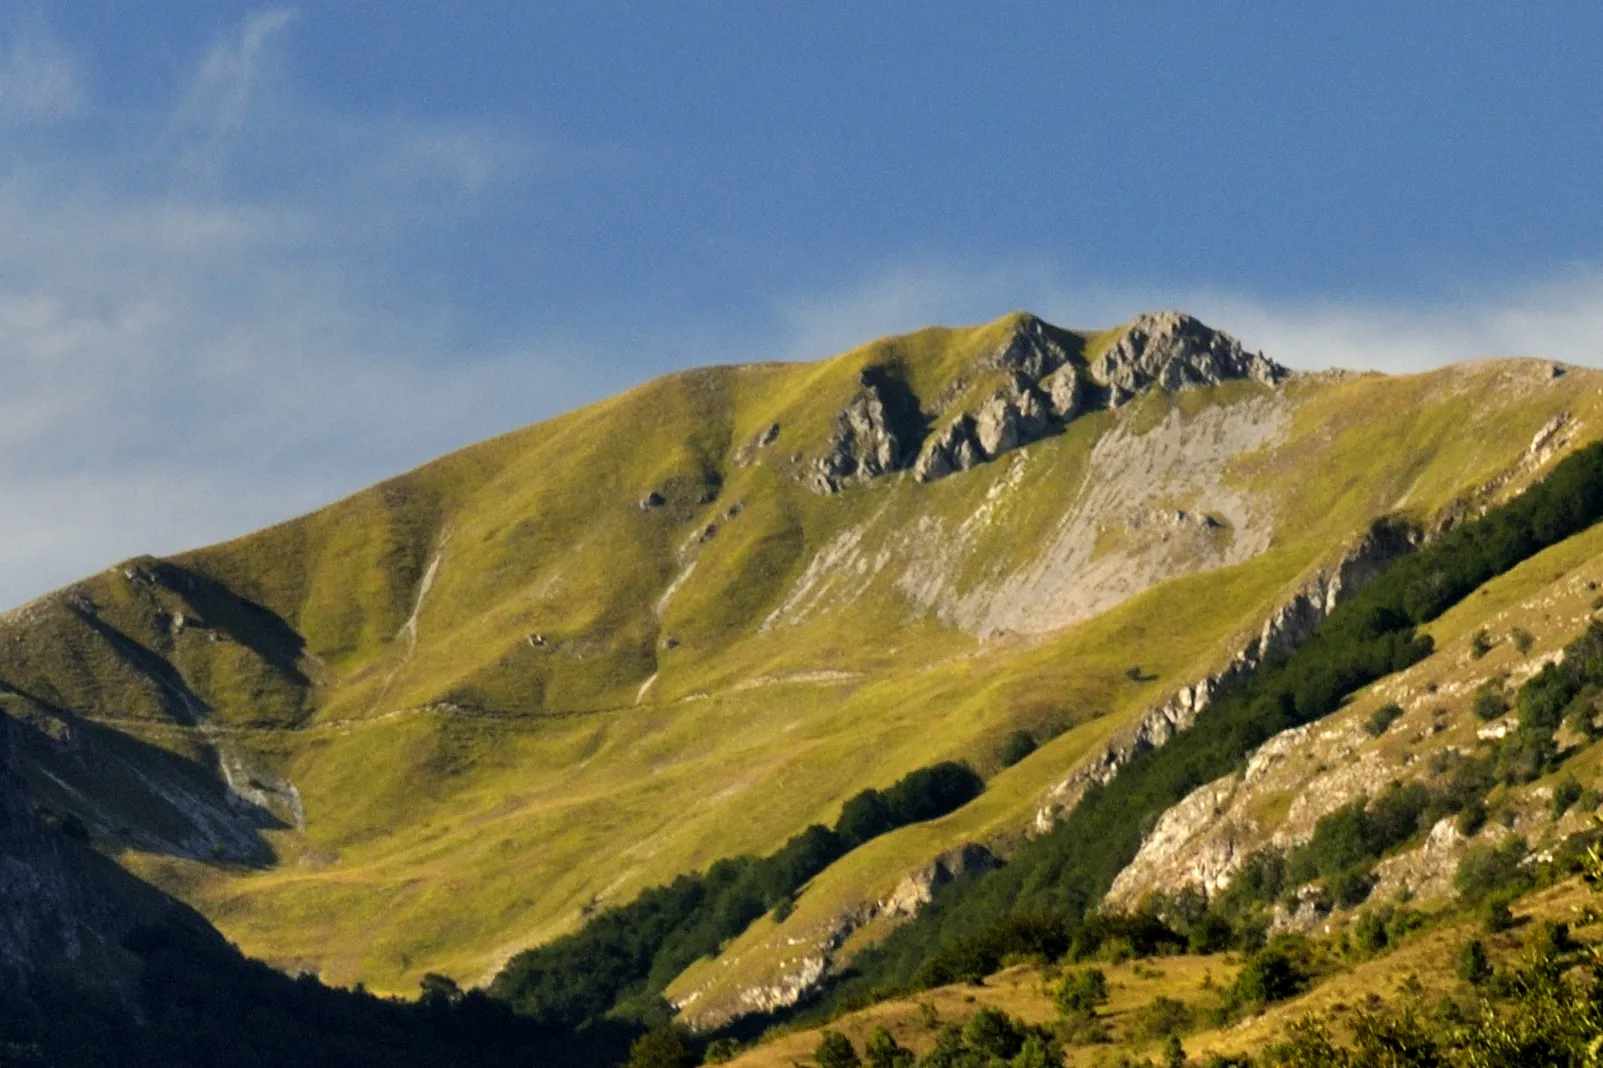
column 463, row 712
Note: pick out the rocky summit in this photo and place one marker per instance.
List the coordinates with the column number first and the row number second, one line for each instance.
column 773, row 690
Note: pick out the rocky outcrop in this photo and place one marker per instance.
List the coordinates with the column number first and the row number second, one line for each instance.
column 918, row 889
column 802, row 975
column 1288, row 627
column 1048, row 385
column 1173, row 351
column 878, row 432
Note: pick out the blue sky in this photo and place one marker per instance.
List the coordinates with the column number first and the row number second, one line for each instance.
column 257, row 257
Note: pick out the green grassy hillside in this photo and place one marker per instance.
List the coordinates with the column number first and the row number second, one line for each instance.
column 450, row 716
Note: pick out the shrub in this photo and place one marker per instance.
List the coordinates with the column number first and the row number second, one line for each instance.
column 1485, row 870
column 1581, row 715
column 1550, row 939
column 1489, row 700
column 1480, row 644
column 1473, row 965
column 721, row 1051
column 1472, row 818
column 1082, row 991
column 1163, row 1017
column 1351, row 887
column 1565, row 794
column 1269, row 975
column 1019, row 745
column 666, row 1047
column 1382, row 718
column 1525, row 756
column 1370, row 932
column 1495, row 915
column 835, row 1050
column 992, row 1033
column 883, row 1051
column 1522, row 639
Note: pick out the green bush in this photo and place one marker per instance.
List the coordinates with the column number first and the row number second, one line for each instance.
column 1523, row 639
column 1489, row 700
column 1495, row 915
column 1163, row 1017
column 1382, row 718
column 1486, row 870
column 883, row 1051
column 1081, row 992
column 1269, row 975
column 1480, row 644
column 665, row 1047
column 1552, row 1015
column 1565, row 794
column 721, row 1051
column 993, row 1033
column 835, row 1050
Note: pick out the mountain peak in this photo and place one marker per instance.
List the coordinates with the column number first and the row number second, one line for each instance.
column 1176, row 351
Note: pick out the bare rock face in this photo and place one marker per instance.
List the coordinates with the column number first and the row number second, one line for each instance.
column 1174, row 351
column 876, row 433
column 1050, row 384
column 918, row 889
column 1286, row 628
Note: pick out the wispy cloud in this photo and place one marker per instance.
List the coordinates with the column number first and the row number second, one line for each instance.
column 212, row 116
column 39, row 80
column 183, row 362
column 1558, row 318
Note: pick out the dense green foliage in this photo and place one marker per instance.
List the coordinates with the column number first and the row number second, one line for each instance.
column 619, row 963
column 1372, row 635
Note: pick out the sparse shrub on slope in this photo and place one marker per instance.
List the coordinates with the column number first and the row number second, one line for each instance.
column 1550, row 1012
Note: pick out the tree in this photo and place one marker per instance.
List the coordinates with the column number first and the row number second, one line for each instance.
column 993, row 1033
column 1038, row 1051
column 1174, row 1054
column 835, row 1050
column 1269, row 975
column 666, row 1047
column 437, row 989
column 1082, row 991
column 883, row 1051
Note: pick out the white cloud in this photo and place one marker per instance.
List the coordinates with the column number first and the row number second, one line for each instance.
column 214, row 111
column 184, row 363
column 1559, row 318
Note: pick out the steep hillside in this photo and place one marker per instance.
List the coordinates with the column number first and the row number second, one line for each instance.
column 454, row 715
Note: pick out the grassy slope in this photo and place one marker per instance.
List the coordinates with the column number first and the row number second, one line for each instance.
column 473, row 792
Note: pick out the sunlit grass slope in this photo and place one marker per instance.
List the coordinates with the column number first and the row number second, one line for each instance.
column 505, row 693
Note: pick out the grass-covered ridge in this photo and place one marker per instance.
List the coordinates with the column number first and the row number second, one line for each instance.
column 589, row 698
